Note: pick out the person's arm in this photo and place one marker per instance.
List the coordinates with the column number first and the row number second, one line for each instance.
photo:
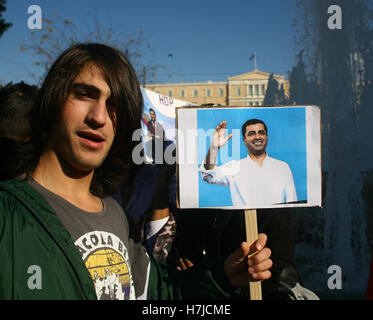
column 161, row 226
column 210, row 172
column 164, row 240
column 218, row 140
column 220, row 280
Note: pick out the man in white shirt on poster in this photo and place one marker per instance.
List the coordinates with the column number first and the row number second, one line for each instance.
column 257, row 180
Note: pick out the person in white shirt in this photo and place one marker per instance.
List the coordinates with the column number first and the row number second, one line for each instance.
column 257, row 180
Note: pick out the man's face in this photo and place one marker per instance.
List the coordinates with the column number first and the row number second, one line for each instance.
column 84, row 132
column 256, row 138
column 152, row 115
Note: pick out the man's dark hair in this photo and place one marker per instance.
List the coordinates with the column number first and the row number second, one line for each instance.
column 250, row 122
column 16, row 101
column 126, row 114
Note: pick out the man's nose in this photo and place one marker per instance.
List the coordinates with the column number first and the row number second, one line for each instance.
column 97, row 113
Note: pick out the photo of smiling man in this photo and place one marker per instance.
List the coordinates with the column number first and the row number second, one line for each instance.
column 256, row 179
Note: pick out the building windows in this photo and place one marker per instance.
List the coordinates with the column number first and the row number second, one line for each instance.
column 250, row 90
column 263, row 90
column 238, row 91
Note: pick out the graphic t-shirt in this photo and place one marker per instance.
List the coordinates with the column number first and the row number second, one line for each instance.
column 102, row 241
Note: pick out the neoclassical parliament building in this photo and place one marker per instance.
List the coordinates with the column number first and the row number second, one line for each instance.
column 247, row 89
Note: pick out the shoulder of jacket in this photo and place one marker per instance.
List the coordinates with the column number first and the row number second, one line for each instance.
column 14, row 186
column 18, row 194
column 8, row 192
column 9, row 205
column 21, row 190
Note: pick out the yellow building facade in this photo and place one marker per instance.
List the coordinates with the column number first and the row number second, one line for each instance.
column 247, row 89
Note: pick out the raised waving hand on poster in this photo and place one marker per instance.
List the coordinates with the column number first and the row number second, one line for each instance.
column 219, row 139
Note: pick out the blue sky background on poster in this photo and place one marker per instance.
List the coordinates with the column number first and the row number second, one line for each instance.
column 286, row 142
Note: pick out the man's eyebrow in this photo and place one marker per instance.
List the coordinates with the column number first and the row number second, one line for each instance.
column 85, row 86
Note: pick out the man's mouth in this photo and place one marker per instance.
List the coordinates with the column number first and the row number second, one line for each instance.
column 91, row 140
column 258, row 142
column 91, row 136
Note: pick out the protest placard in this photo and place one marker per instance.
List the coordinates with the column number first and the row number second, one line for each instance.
column 288, row 175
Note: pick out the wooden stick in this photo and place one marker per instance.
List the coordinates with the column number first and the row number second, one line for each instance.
column 251, row 235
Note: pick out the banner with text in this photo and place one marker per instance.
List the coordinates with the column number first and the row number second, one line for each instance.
column 158, row 122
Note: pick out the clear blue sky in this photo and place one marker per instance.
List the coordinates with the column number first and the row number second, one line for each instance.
column 209, row 39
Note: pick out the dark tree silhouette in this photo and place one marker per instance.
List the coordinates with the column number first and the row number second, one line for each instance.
column 58, row 34
column 3, row 25
column 275, row 94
